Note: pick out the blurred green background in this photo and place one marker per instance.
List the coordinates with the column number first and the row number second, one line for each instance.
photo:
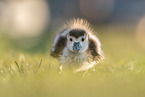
column 27, row 30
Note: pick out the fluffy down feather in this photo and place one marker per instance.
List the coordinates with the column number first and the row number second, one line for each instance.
column 84, row 59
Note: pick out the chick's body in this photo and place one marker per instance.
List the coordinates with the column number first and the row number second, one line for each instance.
column 76, row 46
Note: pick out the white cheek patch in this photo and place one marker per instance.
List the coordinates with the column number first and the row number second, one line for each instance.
column 70, row 45
column 84, row 46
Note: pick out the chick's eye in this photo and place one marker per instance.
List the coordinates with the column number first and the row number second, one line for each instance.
column 83, row 39
column 70, row 39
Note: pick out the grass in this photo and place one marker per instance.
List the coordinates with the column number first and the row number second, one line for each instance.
column 122, row 74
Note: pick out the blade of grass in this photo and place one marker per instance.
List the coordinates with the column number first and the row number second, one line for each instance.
column 39, row 65
column 17, row 66
column 22, row 68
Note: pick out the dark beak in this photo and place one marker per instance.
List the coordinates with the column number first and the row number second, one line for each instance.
column 76, row 47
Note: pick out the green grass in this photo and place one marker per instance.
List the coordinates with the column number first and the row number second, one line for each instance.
column 122, row 74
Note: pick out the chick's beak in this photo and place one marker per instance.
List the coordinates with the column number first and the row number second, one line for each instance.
column 76, row 47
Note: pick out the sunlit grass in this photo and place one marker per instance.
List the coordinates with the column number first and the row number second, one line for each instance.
column 121, row 74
